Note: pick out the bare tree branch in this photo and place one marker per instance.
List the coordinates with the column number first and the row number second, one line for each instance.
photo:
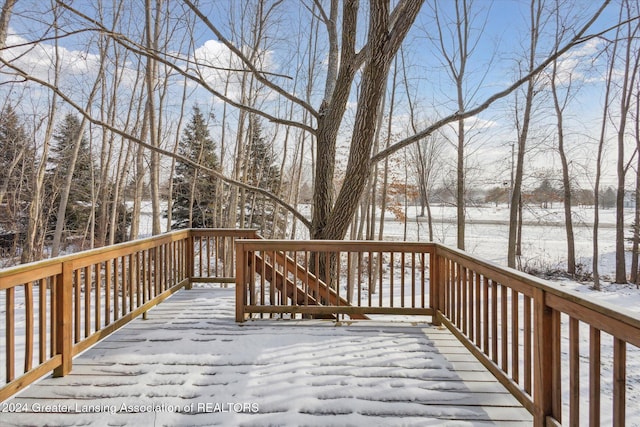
column 579, row 38
column 151, row 147
column 257, row 73
column 170, row 61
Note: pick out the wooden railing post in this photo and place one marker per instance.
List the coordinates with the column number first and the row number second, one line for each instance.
column 435, row 286
column 190, row 256
column 63, row 319
column 544, row 360
column 241, row 281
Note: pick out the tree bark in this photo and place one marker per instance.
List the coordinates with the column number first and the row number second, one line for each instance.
column 523, row 132
column 5, row 16
column 382, row 44
column 566, row 179
column 631, row 60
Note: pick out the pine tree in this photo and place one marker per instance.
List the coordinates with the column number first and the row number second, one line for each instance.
column 79, row 203
column 262, row 172
column 194, row 191
column 16, row 165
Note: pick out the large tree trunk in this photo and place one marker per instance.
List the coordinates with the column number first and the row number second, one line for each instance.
column 382, row 44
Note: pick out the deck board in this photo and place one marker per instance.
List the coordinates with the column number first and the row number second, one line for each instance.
column 190, row 354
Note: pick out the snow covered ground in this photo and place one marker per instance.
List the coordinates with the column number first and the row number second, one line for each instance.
column 544, row 237
column 191, row 364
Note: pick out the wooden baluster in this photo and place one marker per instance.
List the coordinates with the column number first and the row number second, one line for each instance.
column 515, row 336
column 87, row 301
column 594, row 376
column 133, row 281
column 116, row 289
column 107, row 292
column 485, row 315
column 478, row 301
column 504, row 328
column 391, row 284
column 380, row 286
column 42, row 320
column 10, row 331
column 370, row 278
column 470, row 304
column 574, row 372
column 527, row 344
column 29, row 326
column 77, row 307
column 619, row 381
column 494, row 321
column 464, row 285
column 97, row 300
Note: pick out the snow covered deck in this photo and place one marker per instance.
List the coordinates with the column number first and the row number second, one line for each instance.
column 190, row 363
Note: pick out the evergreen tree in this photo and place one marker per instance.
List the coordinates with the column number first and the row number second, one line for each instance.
column 16, row 164
column 262, row 172
column 62, row 151
column 194, row 191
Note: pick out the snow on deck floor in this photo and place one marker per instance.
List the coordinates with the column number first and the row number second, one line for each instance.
column 191, row 364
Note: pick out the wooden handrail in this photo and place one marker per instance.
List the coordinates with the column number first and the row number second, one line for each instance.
column 512, row 323
column 262, row 294
column 79, row 299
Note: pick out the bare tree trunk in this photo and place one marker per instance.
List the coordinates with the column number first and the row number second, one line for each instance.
column 385, row 179
column 596, row 187
column 66, row 189
column 107, row 191
column 34, row 227
column 421, row 160
column 635, row 245
column 173, row 160
column 456, row 43
column 9, row 171
column 566, row 179
column 384, row 40
column 138, row 190
column 152, row 34
column 5, row 15
column 523, row 131
column 64, row 194
column 631, row 61
column 385, row 173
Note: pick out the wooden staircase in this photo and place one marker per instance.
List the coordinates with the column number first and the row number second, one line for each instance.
column 316, row 293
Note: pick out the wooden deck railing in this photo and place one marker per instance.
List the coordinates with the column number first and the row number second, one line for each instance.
column 533, row 336
column 536, row 338
column 512, row 322
column 62, row 306
column 366, row 278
